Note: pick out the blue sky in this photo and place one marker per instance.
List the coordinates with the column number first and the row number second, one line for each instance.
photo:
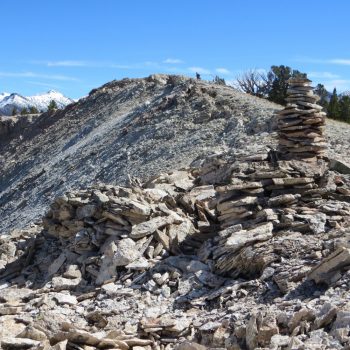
column 74, row 46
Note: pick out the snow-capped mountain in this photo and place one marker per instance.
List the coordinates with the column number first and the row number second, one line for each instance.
column 345, row 93
column 3, row 95
column 9, row 102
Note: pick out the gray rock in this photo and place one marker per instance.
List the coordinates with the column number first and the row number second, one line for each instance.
column 18, row 343
column 65, row 299
column 60, row 283
column 126, row 252
column 86, row 211
column 328, row 270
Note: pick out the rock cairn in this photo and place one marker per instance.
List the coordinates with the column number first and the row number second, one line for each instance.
column 125, row 263
column 301, row 123
column 165, row 264
column 224, row 212
column 263, row 199
column 131, row 228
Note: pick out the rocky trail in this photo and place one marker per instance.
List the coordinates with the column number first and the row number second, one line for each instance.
column 244, row 249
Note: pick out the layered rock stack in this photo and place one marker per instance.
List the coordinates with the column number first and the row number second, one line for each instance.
column 131, row 228
column 168, row 261
column 262, row 199
column 159, row 264
column 301, row 123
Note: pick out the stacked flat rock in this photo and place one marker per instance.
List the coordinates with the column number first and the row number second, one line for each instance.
column 221, row 209
column 301, row 123
column 131, row 228
column 262, row 199
column 167, row 262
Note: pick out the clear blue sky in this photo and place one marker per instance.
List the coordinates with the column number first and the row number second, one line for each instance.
column 76, row 45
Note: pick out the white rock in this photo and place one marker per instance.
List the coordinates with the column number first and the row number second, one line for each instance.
column 67, row 299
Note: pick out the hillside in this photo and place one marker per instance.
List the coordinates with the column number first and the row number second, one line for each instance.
column 132, row 127
column 246, row 248
column 127, row 128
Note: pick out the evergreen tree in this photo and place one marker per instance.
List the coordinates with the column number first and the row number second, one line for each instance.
column 33, row 110
column 14, row 111
column 219, row 81
column 52, row 106
column 344, row 108
column 321, row 91
column 24, row 111
column 333, row 109
column 277, row 82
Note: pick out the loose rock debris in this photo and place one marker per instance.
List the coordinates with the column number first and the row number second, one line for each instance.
column 240, row 251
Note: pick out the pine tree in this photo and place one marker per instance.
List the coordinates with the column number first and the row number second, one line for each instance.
column 333, row 109
column 321, row 91
column 24, row 111
column 52, row 106
column 277, row 82
column 219, row 81
column 33, row 110
column 344, row 108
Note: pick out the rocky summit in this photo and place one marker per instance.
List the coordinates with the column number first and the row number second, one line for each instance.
column 128, row 128
column 244, row 248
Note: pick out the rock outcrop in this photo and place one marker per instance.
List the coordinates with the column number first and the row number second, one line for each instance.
column 238, row 251
column 131, row 127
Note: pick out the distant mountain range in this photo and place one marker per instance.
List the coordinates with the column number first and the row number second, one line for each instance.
column 9, row 102
column 345, row 93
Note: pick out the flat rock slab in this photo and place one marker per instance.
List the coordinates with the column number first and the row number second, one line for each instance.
column 65, row 299
column 18, row 343
column 328, row 270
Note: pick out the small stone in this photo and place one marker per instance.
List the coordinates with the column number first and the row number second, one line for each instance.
column 18, row 343
column 126, row 252
column 60, row 283
column 161, row 279
column 327, row 270
column 166, row 291
column 56, row 264
column 62, row 345
column 196, row 265
column 279, row 341
column 100, row 197
column 325, row 316
column 111, row 289
column 72, row 272
column 210, row 279
column 157, row 223
column 190, row 346
column 139, row 264
column 9, row 310
column 65, row 299
column 32, row 333
column 301, row 315
column 251, row 336
column 150, row 286
column 86, row 211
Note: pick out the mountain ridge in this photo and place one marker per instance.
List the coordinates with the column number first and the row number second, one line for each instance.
column 125, row 128
column 130, row 128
